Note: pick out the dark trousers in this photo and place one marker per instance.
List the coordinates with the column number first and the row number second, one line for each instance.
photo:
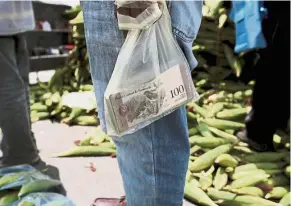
column 18, row 143
column 271, row 97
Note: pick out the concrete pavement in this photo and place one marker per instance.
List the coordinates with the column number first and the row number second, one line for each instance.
column 81, row 184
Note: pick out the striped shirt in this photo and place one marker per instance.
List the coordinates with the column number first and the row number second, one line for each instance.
column 16, row 17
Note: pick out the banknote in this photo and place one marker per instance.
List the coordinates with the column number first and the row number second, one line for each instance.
column 169, row 90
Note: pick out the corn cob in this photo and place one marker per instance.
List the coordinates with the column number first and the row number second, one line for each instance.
column 285, row 201
column 260, row 165
column 239, row 199
column 232, row 113
column 204, row 130
column 246, row 181
column 208, row 158
column 226, row 160
column 220, row 179
column 88, row 151
column 238, row 175
column 37, row 186
column 193, row 131
column 205, row 181
column 86, row 120
column 277, row 193
column 265, row 157
column 209, row 142
column 194, row 149
column 224, row 135
column 195, row 194
column 196, row 108
column 223, row 124
column 254, row 191
column 278, row 180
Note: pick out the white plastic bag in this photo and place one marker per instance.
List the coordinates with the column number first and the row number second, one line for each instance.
column 151, row 78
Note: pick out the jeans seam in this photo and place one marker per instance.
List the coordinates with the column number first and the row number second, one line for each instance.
column 182, row 35
column 154, row 164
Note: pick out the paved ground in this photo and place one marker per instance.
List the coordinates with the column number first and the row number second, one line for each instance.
column 81, row 184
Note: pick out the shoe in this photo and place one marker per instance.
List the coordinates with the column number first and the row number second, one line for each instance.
column 259, row 147
column 34, row 162
column 110, row 202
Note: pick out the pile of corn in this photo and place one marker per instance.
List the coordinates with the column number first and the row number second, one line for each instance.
column 46, row 99
column 223, row 170
column 24, row 185
column 64, row 107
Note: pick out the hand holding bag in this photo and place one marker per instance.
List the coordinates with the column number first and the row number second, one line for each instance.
column 151, row 77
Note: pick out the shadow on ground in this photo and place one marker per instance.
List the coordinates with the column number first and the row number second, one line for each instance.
column 52, row 172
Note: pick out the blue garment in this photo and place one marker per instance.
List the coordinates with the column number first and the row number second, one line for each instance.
column 16, row 17
column 153, row 161
column 248, row 16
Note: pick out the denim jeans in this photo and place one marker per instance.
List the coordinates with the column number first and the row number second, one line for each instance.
column 153, row 161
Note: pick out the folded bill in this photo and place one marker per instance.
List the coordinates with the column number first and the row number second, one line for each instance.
column 166, row 92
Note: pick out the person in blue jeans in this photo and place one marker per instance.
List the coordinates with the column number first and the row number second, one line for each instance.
column 153, row 161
